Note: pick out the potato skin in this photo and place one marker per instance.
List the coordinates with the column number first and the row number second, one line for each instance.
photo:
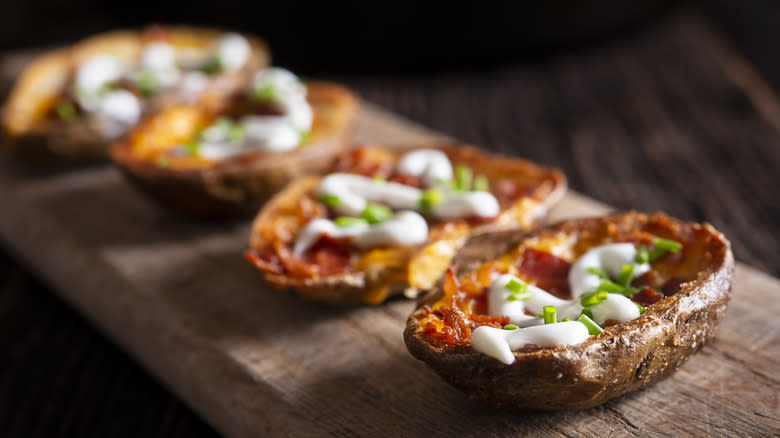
column 351, row 287
column 237, row 187
column 51, row 142
column 624, row 358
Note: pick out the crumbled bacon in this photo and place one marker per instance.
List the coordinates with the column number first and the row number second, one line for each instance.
column 672, row 286
column 546, row 271
column 647, row 296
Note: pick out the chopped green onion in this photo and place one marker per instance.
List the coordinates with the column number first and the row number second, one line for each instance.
column 642, row 255
column 346, row 221
column 587, row 312
column 191, row 147
column 627, row 292
column 663, row 247
column 640, row 307
column 667, row 245
column 593, row 298
column 593, row 328
column 626, row 275
column 429, row 199
column 147, row 84
column 550, row 314
column 212, row 65
column 329, row 200
column 481, row 184
column 566, row 319
column 376, row 213
column 511, row 327
column 378, row 178
column 264, row 93
column 236, row 133
column 304, row 137
column 463, row 176
column 609, row 286
column 518, row 291
column 598, row 271
column 66, row 111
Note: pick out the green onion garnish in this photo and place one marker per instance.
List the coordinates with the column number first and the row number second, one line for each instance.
column 587, row 312
column 463, row 176
column 191, row 147
column 304, row 136
column 566, row 319
column 599, row 272
column 329, row 200
column 642, row 255
column 609, row 286
column 626, row 275
column 640, row 307
column 346, row 221
column 378, row 178
column 481, row 184
column 627, row 292
column 212, row 65
column 66, row 111
column 429, row 199
column 550, row 314
column 264, row 93
column 518, row 290
column 593, row 298
column 376, row 213
column 236, row 133
column 663, row 247
column 511, row 327
column 147, row 84
column 593, row 328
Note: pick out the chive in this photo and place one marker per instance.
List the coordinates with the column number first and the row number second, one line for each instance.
column 518, row 290
column 463, row 177
column 346, row 221
column 376, row 213
column 609, row 286
column 304, row 137
column 593, row 328
column 587, row 313
column 147, row 84
column 481, row 184
column 626, row 275
column 511, row 327
column 212, row 65
column 429, row 199
column 642, row 255
column 264, row 93
column 191, row 147
column 329, row 200
column 549, row 314
column 235, row 133
column 598, row 271
column 378, row 178
column 566, row 319
column 66, row 111
column 640, row 307
column 627, row 292
column 593, row 298
column 667, row 245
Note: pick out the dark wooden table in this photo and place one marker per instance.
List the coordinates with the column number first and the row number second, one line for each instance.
column 707, row 156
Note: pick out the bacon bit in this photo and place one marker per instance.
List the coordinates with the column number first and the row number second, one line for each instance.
column 292, row 265
column 264, row 260
column 309, row 209
column 649, row 278
column 489, row 320
column 546, row 271
column 408, row 180
column 330, row 256
column 647, row 296
column 451, row 285
column 672, row 286
column 155, row 33
column 457, row 330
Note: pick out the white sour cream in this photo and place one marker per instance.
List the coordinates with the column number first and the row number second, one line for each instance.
column 355, row 191
column 118, row 111
column 500, row 343
column 609, row 258
column 432, row 165
column 233, row 51
column 405, row 228
column 159, row 60
column 96, row 72
column 192, row 85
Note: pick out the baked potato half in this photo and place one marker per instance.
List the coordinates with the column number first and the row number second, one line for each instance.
column 229, row 181
column 68, row 105
column 679, row 295
column 339, row 266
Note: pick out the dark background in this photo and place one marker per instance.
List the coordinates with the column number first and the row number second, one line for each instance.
column 59, row 377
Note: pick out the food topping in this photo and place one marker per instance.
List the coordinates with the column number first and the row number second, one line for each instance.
column 600, row 282
column 372, row 199
column 110, row 88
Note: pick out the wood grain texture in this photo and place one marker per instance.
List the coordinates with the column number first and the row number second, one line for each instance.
column 178, row 297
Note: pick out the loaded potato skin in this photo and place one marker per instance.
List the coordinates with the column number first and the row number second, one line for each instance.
column 336, row 272
column 46, row 122
column 623, row 358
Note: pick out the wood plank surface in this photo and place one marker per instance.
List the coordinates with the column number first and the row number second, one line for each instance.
column 178, row 296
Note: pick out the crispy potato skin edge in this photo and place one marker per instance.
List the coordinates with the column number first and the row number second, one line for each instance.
column 624, row 358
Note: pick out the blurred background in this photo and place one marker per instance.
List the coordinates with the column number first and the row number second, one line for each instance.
column 554, row 81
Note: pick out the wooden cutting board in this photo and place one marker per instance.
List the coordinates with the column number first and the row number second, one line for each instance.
column 179, row 297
